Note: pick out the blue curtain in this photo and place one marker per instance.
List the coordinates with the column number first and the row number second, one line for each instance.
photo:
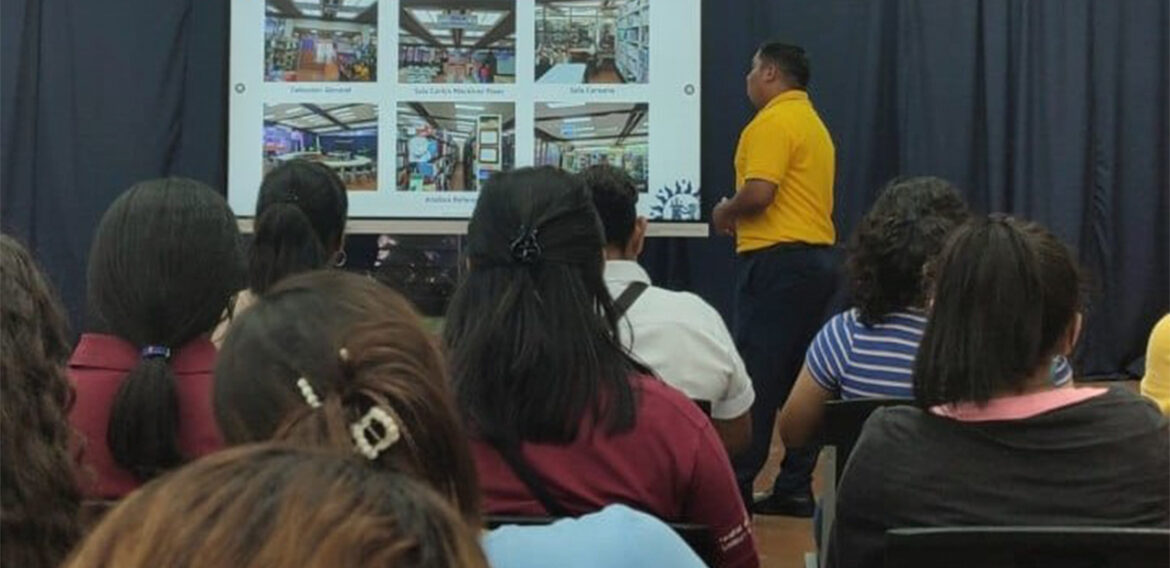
column 1056, row 110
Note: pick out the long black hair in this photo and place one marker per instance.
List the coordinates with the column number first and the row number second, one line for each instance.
column 39, row 498
column 1006, row 293
column 300, row 222
column 531, row 331
column 894, row 241
column 165, row 261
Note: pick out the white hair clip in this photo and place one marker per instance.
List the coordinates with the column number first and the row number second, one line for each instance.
column 307, row 392
column 369, row 441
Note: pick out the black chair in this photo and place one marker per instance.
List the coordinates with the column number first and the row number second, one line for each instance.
column 843, row 422
column 1028, row 547
column 698, row 537
column 842, row 426
column 704, row 405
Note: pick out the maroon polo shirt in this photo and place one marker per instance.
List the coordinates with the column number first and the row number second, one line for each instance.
column 671, row 465
column 97, row 368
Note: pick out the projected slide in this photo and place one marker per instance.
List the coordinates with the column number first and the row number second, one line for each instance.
column 416, row 104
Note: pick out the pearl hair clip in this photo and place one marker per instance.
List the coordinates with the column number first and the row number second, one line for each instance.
column 368, row 440
column 308, row 394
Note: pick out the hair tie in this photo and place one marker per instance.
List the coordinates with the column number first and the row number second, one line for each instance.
column 307, row 393
column 370, row 441
column 526, row 248
column 156, row 352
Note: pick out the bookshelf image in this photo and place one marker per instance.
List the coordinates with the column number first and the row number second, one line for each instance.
column 633, row 49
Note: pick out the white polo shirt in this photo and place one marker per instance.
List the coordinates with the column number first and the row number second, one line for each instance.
column 684, row 340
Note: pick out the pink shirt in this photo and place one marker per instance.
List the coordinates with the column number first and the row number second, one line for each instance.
column 1017, row 407
column 97, row 368
column 671, row 465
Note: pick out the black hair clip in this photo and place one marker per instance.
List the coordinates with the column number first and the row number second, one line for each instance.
column 525, row 248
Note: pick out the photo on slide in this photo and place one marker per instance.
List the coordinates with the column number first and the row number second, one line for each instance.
column 586, row 41
column 341, row 136
column 574, row 136
column 457, row 41
column 444, row 146
column 321, row 41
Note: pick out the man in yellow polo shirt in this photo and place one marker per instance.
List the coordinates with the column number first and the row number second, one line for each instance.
column 782, row 219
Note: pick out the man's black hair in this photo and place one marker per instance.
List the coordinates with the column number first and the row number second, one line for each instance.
column 616, row 198
column 790, row 59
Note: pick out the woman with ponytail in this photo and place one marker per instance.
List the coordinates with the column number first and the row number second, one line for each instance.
column 299, row 226
column 563, row 421
column 164, row 265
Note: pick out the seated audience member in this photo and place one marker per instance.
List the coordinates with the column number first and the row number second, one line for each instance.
column 678, row 335
column 334, row 360
column 868, row 351
column 164, row 264
column 992, row 441
column 39, row 501
column 266, row 506
column 300, row 226
column 1156, row 382
column 563, row 421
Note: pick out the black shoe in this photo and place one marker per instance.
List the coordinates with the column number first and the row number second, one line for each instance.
column 793, row 505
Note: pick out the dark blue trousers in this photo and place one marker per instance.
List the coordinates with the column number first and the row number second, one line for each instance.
column 782, row 298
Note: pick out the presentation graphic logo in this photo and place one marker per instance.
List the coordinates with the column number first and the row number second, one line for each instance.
column 678, row 203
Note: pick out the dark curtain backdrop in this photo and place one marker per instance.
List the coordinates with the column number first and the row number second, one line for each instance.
column 1051, row 109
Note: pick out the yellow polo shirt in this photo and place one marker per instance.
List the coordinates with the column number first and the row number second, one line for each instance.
column 1156, row 383
column 788, row 145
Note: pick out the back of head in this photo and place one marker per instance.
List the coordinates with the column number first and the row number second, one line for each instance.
column 791, row 60
column 267, row 505
column 894, row 241
column 616, row 198
column 1005, row 298
column 300, row 222
column 38, row 499
column 285, row 354
column 531, row 330
column 164, row 264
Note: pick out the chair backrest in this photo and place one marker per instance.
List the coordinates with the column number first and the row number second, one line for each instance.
column 1028, row 547
column 698, row 537
column 704, row 406
column 843, row 422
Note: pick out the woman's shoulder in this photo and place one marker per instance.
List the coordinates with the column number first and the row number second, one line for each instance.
column 1131, row 411
column 658, row 401
column 891, row 427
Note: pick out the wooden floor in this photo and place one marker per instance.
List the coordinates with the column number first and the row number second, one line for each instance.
column 782, row 541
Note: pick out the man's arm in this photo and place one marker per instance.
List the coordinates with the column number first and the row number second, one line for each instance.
column 752, row 199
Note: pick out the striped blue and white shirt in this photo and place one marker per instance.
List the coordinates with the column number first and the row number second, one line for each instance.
column 855, row 361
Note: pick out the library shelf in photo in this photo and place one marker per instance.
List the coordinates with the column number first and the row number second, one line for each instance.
column 453, row 146
column 320, row 41
column 457, row 41
column 591, row 41
column 341, row 136
column 574, row 136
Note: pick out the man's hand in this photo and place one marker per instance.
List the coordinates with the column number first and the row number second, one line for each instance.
column 722, row 219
